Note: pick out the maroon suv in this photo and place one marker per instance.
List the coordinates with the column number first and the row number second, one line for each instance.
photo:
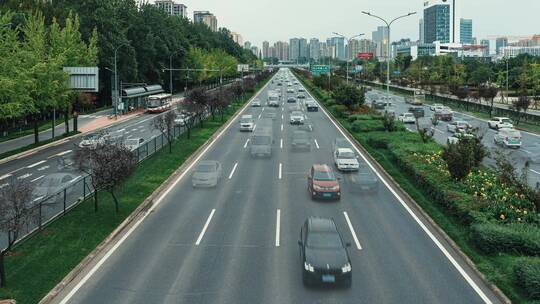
column 323, row 183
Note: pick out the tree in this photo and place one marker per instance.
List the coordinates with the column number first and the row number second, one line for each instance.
column 197, row 103
column 349, row 96
column 458, row 159
column 109, row 165
column 389, row 122
column 165, row 124
column 426, row 133
column 16, row 214
column 521, row 105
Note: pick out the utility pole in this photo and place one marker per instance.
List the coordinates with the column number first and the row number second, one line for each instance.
column 388, row 24
column 348, row 45
column 117, row 97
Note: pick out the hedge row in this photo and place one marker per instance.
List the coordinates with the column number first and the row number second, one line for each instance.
column 527, row 276
column 519, row 239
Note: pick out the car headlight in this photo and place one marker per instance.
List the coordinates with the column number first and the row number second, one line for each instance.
column 316, row 187
column 346, row 268
column 308, row 267
column 335, row 188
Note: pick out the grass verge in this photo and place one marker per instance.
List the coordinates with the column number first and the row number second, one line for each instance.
column 43, row 260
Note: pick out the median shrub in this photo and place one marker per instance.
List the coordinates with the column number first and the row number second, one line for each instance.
column 492, row 238
column 367, row 125
column 527, row 276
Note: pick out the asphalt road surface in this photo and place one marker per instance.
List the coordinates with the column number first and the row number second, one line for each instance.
column 237, row 243
column 530, row 150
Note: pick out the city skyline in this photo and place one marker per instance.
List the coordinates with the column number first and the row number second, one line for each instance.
column 300, row 18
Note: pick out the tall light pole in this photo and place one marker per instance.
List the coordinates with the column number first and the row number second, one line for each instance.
column 388, row 24
column 117, row 91
column 348, row 45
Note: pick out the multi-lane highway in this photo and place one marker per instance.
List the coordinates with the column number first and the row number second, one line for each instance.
column 529, row 151
column 237, row 243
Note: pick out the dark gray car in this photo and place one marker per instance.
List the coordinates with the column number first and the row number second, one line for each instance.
column 365, row 180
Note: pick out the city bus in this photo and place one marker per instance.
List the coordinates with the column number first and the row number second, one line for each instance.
column 159, row 103
column 419, row 97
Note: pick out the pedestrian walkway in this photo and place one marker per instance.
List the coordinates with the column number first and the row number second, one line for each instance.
column 102, row 121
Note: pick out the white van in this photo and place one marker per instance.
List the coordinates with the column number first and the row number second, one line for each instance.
column 247, row 123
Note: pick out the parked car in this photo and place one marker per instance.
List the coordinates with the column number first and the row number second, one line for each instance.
column 434, row 106
column 407, row 118
column 256, row 103
column 312, row 106
column 458, row 126
column 500, row 123
column 323, row 183
column 247, row 123
column 345, row 159
column 301, row 141
column 297, row 118
column 364, row 180
column 206, row 174
column 510, row 138
column 417, row 111
column 323, row 253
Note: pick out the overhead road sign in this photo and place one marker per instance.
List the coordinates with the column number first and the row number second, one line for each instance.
column 317, row 70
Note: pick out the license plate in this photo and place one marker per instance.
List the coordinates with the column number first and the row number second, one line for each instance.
column 327, row 194
column 328, row 278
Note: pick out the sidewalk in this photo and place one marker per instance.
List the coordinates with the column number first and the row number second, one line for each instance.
column 105, row 121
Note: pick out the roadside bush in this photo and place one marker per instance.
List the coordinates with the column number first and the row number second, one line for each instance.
column 355, row 117
column 458, row 159
column 339, row 110
column 527, row 276
column 493, row 238
column 389, row 123
column 367, row 125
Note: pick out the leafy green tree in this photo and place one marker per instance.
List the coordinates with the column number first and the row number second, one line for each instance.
column 349, row 96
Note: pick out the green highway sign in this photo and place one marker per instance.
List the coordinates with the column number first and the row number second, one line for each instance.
column 317, row 70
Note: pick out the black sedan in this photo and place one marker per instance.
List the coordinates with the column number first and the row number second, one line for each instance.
column 324, row 255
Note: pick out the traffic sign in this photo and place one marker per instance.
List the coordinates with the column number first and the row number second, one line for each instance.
column 317, row 70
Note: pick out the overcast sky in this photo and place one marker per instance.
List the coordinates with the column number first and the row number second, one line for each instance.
column 273, row 20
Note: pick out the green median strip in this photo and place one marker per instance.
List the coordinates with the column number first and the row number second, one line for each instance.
column 39, row 263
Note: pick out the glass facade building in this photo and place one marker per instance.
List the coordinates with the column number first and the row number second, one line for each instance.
column 466, row 27
column 437, row 23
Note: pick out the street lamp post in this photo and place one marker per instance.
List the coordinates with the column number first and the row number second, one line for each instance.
column 348, row 45
column 117, row 92
column 388, row 24
column 171, row 71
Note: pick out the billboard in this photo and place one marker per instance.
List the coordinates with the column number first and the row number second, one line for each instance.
column 83, row 79
column 243, row 68
column 317, row 70
column 365, row 55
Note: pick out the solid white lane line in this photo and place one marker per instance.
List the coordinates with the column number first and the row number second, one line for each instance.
column 278, row 226
column 107, row 255
column 534, row 171
column 199, row 239
column 36, row 164
column 5, row 176
column 317, row 144
column 38, row 178
column 281, row 127
column 352, row 231
column 43, row 168
column 25, row 176
column 280, row 168
column 233, row 170
column 460, row 269
column 246, row 144
column 281, row 144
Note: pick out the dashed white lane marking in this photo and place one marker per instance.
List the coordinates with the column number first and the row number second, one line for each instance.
column 310, row 128
column 259, row 116
column 281, row 116
column 43, row 168
column 526, row 151
column 121, row 130
column 280, row 169
column 246, row 144
column 36, row 164
column 534, row 171
column 61, row 153
column 317, row 144
column 5, row 176
column 254, row 127
column 38, row 178
column 233, row 170
column 281, row 144
column 199, row 239
column 133, row 130
column 282, row 109
column 278, row 226
column 281, row 127
column 352, row 231
column 25, row 176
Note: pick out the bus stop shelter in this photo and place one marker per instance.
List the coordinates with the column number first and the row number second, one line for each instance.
column 136, row 97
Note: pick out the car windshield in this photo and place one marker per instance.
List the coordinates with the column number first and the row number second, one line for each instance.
column 347, row 155
column 206, row 168
column 324, row 176
column 323, row 240
column 246, row 120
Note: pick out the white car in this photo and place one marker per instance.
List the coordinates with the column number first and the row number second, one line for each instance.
column 247, row 123
column 133, row 143
column 91, row 141
column 256, row 103
column 458, row 126
column 500, row 123
column 346, row 160
column 510, row 138
column 407, row 118
column 435, row 105
column 297, row 118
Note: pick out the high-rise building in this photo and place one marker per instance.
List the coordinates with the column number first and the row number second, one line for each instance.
column 294, row 49
column 172, row 8
column 380, row 37
column 281, row 50
column 272, row 52
column 441, row 21
column 255, row 51
column 324, row 50
column 314, row 49
column 362, row 46
column 466, row 29
column 421, row 30
column 500, row 43
column 207, row 18
column 339, row 44
column 266, row 50
column 485, row 43
column 303, row 50
column 247, row 45
column 237, row 38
